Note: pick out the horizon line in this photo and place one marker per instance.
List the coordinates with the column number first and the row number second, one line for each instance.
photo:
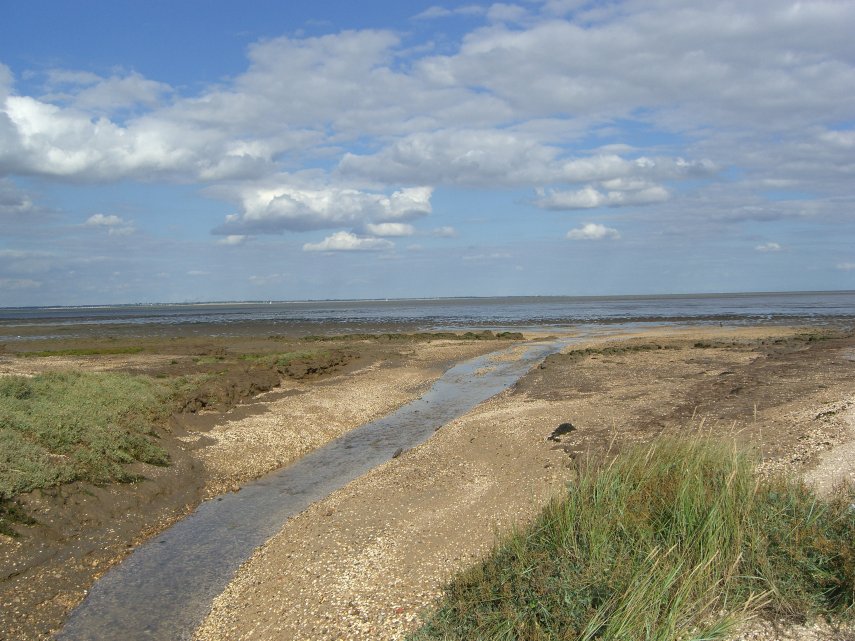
column 425, row 298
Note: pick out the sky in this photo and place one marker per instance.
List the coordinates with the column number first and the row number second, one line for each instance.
column 205, row 150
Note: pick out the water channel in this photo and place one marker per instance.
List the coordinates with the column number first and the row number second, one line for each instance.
column 165, row 588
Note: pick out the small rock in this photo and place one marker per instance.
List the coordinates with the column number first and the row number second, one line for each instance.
column 561, row 430
column 398, row 452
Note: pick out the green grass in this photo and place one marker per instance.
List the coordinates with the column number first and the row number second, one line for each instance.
column 285, row 358
column 61, row 427
column 679, row 541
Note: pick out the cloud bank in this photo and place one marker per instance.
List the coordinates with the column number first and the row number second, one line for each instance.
column 507, row 108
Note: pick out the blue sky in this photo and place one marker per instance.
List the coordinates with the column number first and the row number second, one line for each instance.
column 193, row 151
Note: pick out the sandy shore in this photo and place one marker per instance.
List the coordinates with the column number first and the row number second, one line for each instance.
column 366, row 561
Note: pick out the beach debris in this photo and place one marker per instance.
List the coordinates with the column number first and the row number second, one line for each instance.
column 561, row 430
column 398, row 452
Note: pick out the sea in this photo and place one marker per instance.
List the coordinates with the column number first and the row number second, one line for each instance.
column 513, row 313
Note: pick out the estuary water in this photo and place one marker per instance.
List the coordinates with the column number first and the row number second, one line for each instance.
column 310, row 317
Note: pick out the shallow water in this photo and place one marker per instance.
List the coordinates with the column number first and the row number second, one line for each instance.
column 307, row 317
column 165, row 588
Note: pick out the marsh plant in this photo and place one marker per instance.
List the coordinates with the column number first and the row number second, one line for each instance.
column 680, row 540
column 73, row 426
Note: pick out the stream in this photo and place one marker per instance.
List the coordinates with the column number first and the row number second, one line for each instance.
column 165, row 588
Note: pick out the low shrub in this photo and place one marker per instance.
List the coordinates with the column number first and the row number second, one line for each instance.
column 61, row 427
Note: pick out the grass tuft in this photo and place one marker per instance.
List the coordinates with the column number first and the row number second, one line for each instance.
column 677, row 541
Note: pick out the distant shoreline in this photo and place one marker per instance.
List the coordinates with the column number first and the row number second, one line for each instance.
column 215, row 303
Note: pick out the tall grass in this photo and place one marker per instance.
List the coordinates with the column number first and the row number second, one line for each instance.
column 677, row 541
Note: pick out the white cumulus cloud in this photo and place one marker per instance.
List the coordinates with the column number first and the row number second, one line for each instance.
column 345, row 241
column 590, row 197
column 561, row 101
column 115, row 225
column 275, row 209
column 390, row 229
column 593, row 231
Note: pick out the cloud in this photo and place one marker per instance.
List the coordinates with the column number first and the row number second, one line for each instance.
column 271, row 210
column 589, row 198
column 100, row 220
column 502, row 12
column 268, row 279
column 846, row 267
column 390, row 229
column 444, row 232
column 345, row 241
column 480, row 158
column 593, row 231
column 768, row 247
column 22, row 261
column 88, row 91
column 721, row 67
column 487, row 257
column 234, row 239
column 436, row 11
column 455, row 157
column 115, row 225
column 14, row 203
column 597, row 105
column 6, row 79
